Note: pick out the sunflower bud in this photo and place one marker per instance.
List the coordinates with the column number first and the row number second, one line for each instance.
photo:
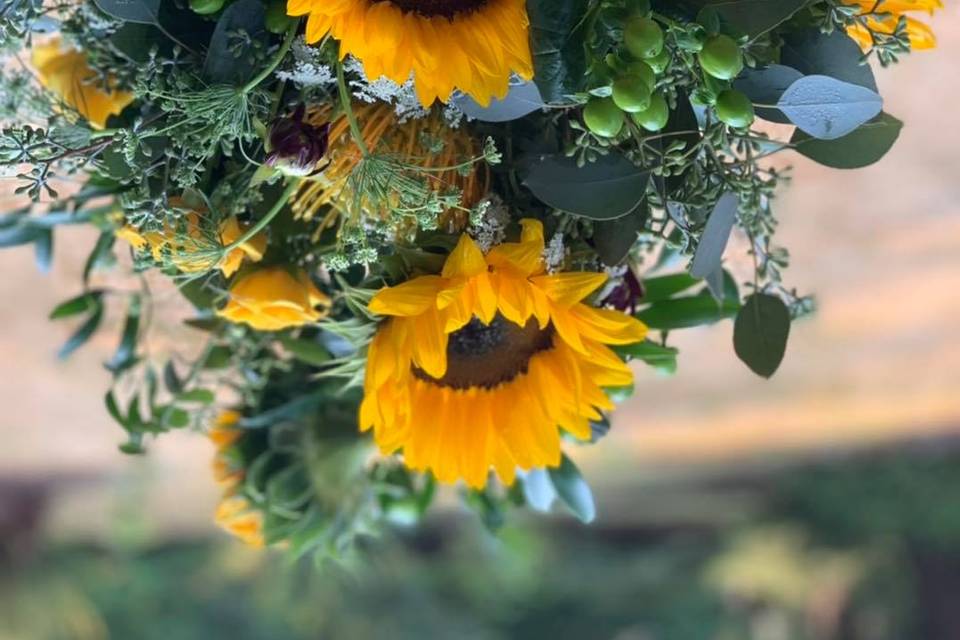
column 296, row 147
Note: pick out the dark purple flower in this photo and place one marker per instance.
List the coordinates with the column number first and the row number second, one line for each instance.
column 297, row 147
column 625, row 295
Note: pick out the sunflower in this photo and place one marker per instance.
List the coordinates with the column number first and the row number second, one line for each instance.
column 471, row 45
column 884, row 17
column 65, row 72
column 483, row 365
column 382, row 131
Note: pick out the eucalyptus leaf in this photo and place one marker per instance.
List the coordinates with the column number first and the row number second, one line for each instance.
column 760, row 333
column 521, row 100
column 827, row 108
column 43, row 250
column 716, row 235
column 606, row 189
column 226, row 63
column 538, row 490
column 755, row 17
column 559, row 60
column 141, row 11
column 573, row 490
column 863, row 147
column 613, row 239
column 812, row 52
column 765, row 86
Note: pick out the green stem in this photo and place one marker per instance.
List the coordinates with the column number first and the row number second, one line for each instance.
column 348, row 111
column 265, row 220
column 277, row 59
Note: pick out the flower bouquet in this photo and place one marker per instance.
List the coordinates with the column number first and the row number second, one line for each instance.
column 425, row 242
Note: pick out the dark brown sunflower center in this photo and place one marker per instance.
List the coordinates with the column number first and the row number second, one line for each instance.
column 487, row 355
column 432, row 8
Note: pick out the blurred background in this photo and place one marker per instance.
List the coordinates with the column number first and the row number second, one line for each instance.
column 823, row 504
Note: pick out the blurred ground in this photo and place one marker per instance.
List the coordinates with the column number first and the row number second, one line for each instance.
column 878, row 363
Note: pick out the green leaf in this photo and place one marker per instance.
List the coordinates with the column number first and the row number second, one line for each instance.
column 125, row 355
column 218, row 358
column 658, row 356
column 113, row 409
column 606, row 189
column 760, row 333
column 765, row 86
column 297, row 407
column 74, row 306
column 306, row 351
column 225, row 63
column 86, row 330
column 686, row 312
column 812, row 52
column 613, row 239
column 16, row 235
column 171, row 379
column 173, row 417
column 141, row 11
column 573, row 490
column 43, row 250
column 861, row 148
column 201, row 396
column 101, row 253
column 559, row 59
column 755, row 17
column 664, row 287
column 827, row 108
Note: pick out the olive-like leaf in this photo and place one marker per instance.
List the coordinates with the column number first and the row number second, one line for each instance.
column 861, row 148
column 606, row 189
column 760, row 333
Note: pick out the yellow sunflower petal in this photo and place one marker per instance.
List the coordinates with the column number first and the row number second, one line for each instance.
column 567, row 289
column 411, row 298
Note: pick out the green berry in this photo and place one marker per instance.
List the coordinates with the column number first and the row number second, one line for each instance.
column 644, row 71
column 631, row 93
column 655, row 116
column 660, row 61
column 643, row 37
column 735, row 109
column 277, row 20
column 603, row 117
column 721, row 58
column 206, row 7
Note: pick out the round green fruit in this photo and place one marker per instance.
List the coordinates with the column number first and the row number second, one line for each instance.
column 631, row 93
column 721, row 58
column 659, row 62
column 644, row 71
column 735, row 109
column 655, row 116
column 277, row 20
column 206, row 7
column 643, row 37
column 603, row 117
